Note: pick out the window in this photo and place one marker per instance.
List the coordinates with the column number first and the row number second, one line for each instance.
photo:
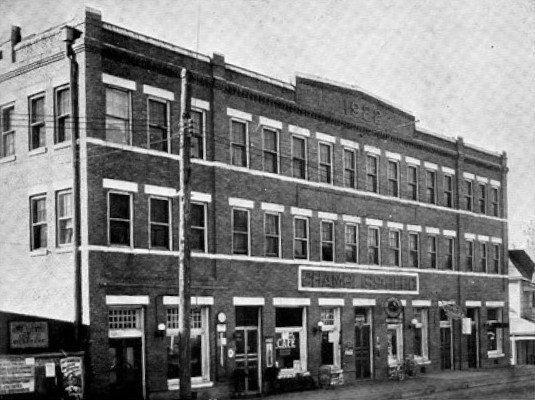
column 63, row 115
column 240, row 231
column 119, row 219
column 394, row 240
column 37, row 122
column 124, row 318
column 495, row 259
column 327, row 241
column 421, row 331
column 8, row 131
column 351, row 243
column 432, row 251
column 414, row 250
column 373, row 245
column 39, row 225
column 350, row 168
column 158, row 125
column 449, row 260
column 448, row 191
column 160, row 223
column 198, row 119
column 290, row 340
column 482, row 198
column 430, row 183
column 469, row 255
column 117, row 115
column 412, row 182
column 494, row 332
column 271, row 150
column 325, row 163
column 198, row 238
column 64, row 225
column 495, row 201
column 301, row 238
column 468, row 195
column 372, row 166
column 199, row 342
column 330, row 336
column 238, row 143
column 299, row 157
column 272, row 235
column 483, row 253
column 393, row 178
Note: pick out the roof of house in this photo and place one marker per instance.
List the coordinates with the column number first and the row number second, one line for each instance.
column 522, row 262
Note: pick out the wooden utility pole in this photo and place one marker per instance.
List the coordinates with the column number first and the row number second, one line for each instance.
column 184, row 251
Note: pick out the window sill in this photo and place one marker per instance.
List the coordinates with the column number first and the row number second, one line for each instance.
column 8, row 159
column 62, row 145
column 37, row 151
column 66, row 249
column 495, row 355
column 174, row 384
column 39, row 253
column 422, row 361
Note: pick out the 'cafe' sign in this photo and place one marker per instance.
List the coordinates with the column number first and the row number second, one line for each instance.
column 286, row 341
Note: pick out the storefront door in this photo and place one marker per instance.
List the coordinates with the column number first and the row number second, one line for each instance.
column 247, row 350
column 363, row 343
column 126, row 375
column 446, row 349
column 395, row 344
column 473, row 338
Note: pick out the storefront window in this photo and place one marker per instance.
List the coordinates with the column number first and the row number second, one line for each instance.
column 290, row 340
column 394, row 344
column 494, row 332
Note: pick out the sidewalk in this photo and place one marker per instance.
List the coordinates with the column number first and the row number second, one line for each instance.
column 423, row 385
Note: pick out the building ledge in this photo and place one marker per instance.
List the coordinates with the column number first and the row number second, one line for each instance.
column 62, row 145
column 8, row 159
column 39, row 253
column 39, row 150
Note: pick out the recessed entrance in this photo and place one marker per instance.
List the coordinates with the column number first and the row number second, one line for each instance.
column 363, row 343
column 248, row 378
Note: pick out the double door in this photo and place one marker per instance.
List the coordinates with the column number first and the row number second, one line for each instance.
column 247, row 360
column 363, row 340
column 126, row 371
column 473, row 338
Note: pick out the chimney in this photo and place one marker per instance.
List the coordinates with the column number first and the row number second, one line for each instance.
column 15, row 39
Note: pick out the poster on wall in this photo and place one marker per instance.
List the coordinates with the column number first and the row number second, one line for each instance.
column 17, row 375
column 269, row 352
column 28, row 334
column 71, row 369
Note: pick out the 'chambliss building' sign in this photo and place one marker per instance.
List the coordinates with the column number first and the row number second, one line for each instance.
column 361, row 281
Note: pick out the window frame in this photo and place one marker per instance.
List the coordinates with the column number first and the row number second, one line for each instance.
column 469, row 254
column 130, row 221
column 371, row 247
column 496, row 250
column 495, row 201
column 322, row 164
column 202, row 136
column 38, row 224
column 469, row 195
column 350, row 173
column 236, row 145
column 432, row 253
column 128, row 120
column 204, row 228
column 168, row 224
column 374, row 177
column 448, row 191
column 276, row 236
column 234, row 232
column 393, row 182
column 433, row 187
column 482, row 197
column 413, row 187
column 166, row 145
column 302, row 330
column 274, row 153
column 298, row 159
column 484, row 256
column 37, row 124
column 331, row 243
column 395, row 251
column 60, row 117
column 447, row 254
column 7, row 110
column 354, row 245
column 413, row 251
column 60, row 218
column 300, row 239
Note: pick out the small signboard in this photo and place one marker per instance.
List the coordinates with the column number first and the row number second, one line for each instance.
column 17, row 375
column 28, row 334
column 71, row 369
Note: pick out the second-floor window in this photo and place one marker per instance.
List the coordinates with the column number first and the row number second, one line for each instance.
column 449, row 260
column 240, row 231
column 301, row 238
column 468, row 195
column 495, row 201
column 158, row 125
column 38, row 223
column 394, row 240
column 469, row 255
column 412, row 182
column 414, row 250
column 327, row 241
column 495, row 259
column 298, row 157
column 37, row 122
column 63, row 115
column 198, row 134
column 448, row 191
column 8, row 131
column 373, row 246
column 393, row 178
column 372, row 170
column 271, row 150
column 272, row 235
column 120, row 219
column 118, row 115
column 325, row 163
column 351, row 248
column 484, row 254
column 198, row 227
column 238, row 143
column 64, row 217
column 431, row 184
column 160, row 223
column 432, row 251
column 482, row 198
column 350, row 168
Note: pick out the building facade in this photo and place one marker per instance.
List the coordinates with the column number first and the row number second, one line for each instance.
column 326, row 228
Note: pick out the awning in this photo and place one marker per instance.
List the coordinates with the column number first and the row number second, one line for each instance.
column 521, row 326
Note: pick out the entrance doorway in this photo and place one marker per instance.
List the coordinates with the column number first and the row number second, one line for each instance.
column 473, row 338
column 363, row 343
column 126, row 375
column 395, row 344
column 446, row 349
column 248, row 377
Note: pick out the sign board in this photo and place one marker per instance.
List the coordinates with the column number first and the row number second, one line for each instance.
column 28, row 334
column 71, row 369
column 467, row 326
column 17, row 375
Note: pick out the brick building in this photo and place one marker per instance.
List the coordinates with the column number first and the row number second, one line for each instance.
column 327, row 229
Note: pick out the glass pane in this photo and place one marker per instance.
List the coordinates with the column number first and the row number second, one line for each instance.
column 239, row 156
column 120, row 232
column 272, row 224
column 327, row 231
column 197, row 239
column 240, row 223
column 196, row 356
column 119, row 206
column 9, row 144
column 7, row 119
column 238, row 132
column 246, row 316
column 241, row 244
column 65, row 231
column 325, row 153
column 298, row 148
column 39, row 237
column 117, row 103
column 38, row 110
column 300, row 249
column 159, row 236
column 116, row 130
column 288, row 317
column 157, row 113
column 63, row 102
column 159, row 211
column 64, row 204
column 39, row 210
column 270, row 140
column 287, row 349
column 197, row 215
column 301, row 228
column 158, row 138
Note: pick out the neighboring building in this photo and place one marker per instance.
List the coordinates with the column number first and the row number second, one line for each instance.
column 521, row 307
column 326, row 228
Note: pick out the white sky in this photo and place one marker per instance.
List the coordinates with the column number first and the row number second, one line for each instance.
column 464, row 68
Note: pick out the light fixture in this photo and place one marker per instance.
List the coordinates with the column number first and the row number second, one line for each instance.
column 318, row 328
column 161, row 326
column 160, row 329
column 415, row 324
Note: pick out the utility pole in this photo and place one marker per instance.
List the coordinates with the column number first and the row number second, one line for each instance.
column 184, row 251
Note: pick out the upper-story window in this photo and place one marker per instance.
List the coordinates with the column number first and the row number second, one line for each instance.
column 271, row 150
column 238, row 143
column 393, row 178
column 482, row 188
column 240, row 231
column 469, row 255
column 327, row 241
column 158, row 125
column 350, row 168
column 301, row 238
column 325, row 160
column 449, row 256
column 374, row 240
column 484, row 254
column 372, row 173
column 432, row 250
column 430, row 186
column 414, row 250
column 198, row 119
column 299, row 158
column 37, row 122
column 198, row 227
column 160, row 223
column 8, row 131
column 495, row 259
column 38, row 222
column 272, row 235
column 118, row 116
column 394, row 241
column 468, row 195
column 120, row 219
column 351, row 247
column 412, row 182
column 62, row 116
column 448, row 191
column 64, row 225
column 495, row 201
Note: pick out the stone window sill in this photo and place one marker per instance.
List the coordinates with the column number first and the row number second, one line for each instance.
column 37, row 151
column 8, row 159
column 39, row 253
